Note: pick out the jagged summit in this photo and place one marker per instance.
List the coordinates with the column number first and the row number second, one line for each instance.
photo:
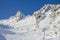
column 19, row 15
column 46, row 8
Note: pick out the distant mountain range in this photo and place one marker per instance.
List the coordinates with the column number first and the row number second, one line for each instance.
column 44, row 24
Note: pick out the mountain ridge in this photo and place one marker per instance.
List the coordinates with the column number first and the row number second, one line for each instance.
column 43, row 24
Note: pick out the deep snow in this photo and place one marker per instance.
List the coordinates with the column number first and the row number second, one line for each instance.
column 44, row 24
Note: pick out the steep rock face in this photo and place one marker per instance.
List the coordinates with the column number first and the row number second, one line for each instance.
column 49, row 19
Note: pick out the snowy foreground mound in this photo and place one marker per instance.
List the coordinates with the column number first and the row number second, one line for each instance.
column 44, row 24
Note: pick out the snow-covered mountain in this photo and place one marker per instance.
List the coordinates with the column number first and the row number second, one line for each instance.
column 44, row 24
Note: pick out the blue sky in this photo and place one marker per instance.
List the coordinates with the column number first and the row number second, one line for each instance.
column 10, row 7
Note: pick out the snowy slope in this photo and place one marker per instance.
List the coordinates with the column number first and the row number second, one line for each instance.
column 44, row 24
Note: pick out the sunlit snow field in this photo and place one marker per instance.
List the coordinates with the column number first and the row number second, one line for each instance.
column 44, row 24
